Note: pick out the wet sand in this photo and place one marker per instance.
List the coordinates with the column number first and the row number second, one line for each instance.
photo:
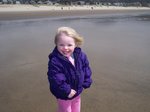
column 51, row 14
column 120, row 85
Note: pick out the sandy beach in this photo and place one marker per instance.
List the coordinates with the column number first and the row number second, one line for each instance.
column 11, row 12
column 117, row 44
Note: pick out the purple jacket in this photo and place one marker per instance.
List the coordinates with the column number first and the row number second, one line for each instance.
column 63, row 76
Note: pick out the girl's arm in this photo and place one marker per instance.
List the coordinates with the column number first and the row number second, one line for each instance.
column 87, row 73
column 57, row 80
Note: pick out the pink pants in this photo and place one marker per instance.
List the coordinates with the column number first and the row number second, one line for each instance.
column 69, row 105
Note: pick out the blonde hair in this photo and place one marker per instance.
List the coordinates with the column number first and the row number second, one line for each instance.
column 69, row 32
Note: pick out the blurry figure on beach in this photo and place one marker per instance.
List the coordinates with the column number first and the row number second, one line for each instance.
column 68, row 70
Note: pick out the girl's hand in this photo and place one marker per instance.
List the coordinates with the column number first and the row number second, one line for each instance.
column 72, row 93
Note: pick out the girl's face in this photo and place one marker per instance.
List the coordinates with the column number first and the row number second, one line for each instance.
column 66, row 45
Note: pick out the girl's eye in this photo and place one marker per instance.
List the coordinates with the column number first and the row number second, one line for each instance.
column 61, row 45
column 70, row 45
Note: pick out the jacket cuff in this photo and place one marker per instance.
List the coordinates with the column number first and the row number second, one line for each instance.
column 86, row 85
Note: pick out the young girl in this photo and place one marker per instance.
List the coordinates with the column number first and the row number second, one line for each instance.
column 68, row 70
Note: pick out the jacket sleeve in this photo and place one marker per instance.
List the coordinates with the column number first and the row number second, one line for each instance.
column 57, row 80
column 87, row 72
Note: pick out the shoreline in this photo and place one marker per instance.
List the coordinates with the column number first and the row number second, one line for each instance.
column 19, row 8
column 14, row 12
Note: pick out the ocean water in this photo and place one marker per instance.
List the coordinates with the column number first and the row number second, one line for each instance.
column 117, row 45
